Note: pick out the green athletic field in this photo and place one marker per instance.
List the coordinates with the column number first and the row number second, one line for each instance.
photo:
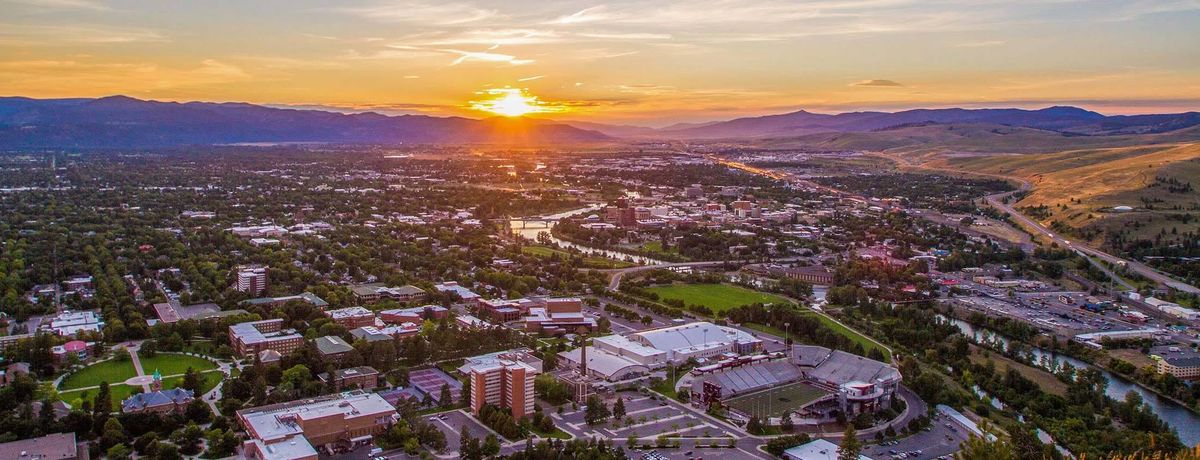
column 772, row 402
column 718, row 297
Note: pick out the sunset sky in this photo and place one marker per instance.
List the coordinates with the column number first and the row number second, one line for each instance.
column 640, row 62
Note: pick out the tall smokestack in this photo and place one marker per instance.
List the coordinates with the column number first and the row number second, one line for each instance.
column 583, row 359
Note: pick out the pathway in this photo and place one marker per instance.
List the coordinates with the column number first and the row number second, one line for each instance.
column 137, row 366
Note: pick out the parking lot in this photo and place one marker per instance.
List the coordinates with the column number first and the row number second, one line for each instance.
column 452, row 423
column 939, row 441
column 646, row 418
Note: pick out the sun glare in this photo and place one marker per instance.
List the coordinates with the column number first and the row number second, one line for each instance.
column 511, row 102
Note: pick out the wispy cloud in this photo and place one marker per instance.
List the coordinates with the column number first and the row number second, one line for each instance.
column 877, row 83
column 45, row 34
column 61, row 4
column 447, row 13
column 592, row 14
column 535, row 77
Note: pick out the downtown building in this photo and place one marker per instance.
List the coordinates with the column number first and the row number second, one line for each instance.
column 252, row 280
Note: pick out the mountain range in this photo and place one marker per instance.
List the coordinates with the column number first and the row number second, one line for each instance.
column 120, row 121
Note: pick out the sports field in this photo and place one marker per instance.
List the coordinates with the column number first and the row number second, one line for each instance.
column 772, row 402
column 718, row 297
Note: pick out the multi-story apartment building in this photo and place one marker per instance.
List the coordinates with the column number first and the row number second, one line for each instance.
column 252, row 280
column 503, row 383
column 250, row 338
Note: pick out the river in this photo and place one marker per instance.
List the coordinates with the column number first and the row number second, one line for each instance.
column 532, row 234
column 1185, row 422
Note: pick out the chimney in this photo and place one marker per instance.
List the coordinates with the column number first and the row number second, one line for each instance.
column 583, row 359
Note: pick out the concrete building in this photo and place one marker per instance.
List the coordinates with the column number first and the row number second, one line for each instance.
column 503, row 383
column 468, row 297
column 170, row 313
column 58, row 446
column 1179, row 361
column 252, row 280
column 414, row 314
column 295, row 430
column 250, row 338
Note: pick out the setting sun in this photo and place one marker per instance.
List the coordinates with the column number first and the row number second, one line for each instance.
column 511, row 102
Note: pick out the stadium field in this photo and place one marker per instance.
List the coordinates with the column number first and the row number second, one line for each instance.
column 772, row 402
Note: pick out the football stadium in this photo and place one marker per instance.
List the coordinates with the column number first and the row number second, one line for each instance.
column 814, row 382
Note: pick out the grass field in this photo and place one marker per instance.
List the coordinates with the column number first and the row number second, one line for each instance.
column 773, row 402
column 1043, row 379
column 111, row 371
column 171, row 364
column 718, row 297
column 76, row 397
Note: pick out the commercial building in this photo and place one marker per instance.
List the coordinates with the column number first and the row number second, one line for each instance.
column 361, row 377
column 250, row 338
column 76, row 348
column 252, row 280
column 378, row 334
column 58, row 446
column 1181, row 362
column 503, row 383
column 352, row 317
column 295, row 430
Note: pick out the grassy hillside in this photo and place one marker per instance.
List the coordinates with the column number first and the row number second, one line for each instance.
column 971, row 140
column 1079, row 187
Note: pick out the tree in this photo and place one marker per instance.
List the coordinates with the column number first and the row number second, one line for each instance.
column 166, row 451
column 445, row 398
column 850, row 447
column 754, row 426
column 119, row 452
column 188, row 439
column 597, row 411
column 785, row 422
column 112, row 434
column 491, row 445
column 149, row 349
column 618, row 409
column 197, row 412
column 191, row 381
column 102, row 406
column 977, row 448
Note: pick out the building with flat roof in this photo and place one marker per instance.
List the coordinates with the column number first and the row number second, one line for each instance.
column 296, row 429
column 557, row 323
column 819, row 449
column 58, row 446
column 361, row 377
column 524, row 355
column 352, row 317
column 414, row 314
column 379, row 334
column 1180, row 361
column 250, row 338
column 467, row 296
column 503, row 383
column 252, row 280
column 373, row 292
column 277, row 301
column 170, row 313
column 74, row 322
column 697, row 340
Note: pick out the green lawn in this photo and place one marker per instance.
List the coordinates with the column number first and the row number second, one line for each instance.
column 718, row 297
column 111, row 371
column 172, row 364
column 211, row 379
column 119, row 393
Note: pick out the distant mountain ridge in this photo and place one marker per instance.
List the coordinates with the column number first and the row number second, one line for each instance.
column 1069, row 120
column 121, row 121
